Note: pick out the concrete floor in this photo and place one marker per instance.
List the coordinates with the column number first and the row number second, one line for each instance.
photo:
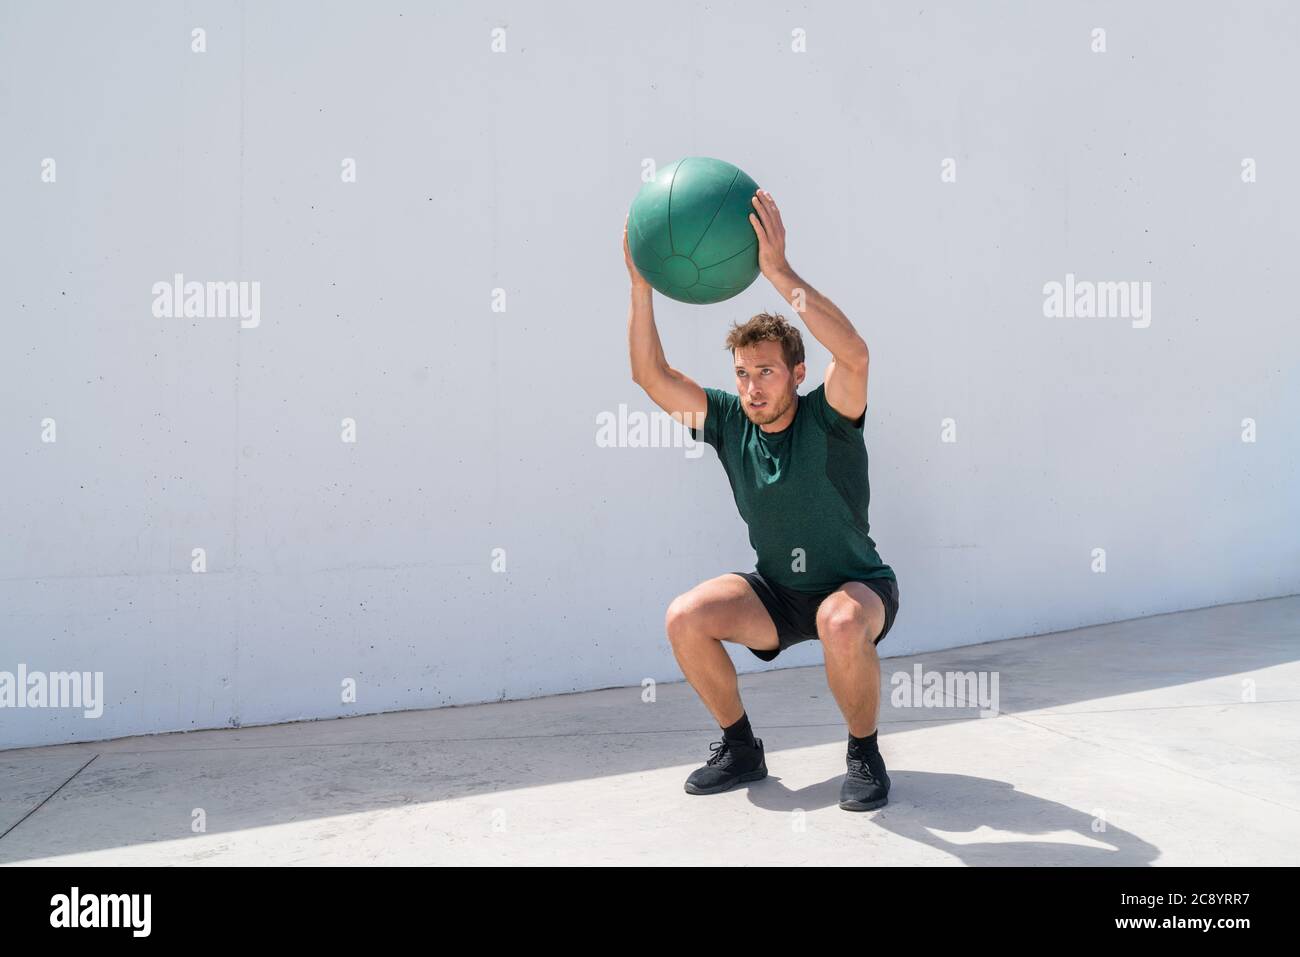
column 1140, row 724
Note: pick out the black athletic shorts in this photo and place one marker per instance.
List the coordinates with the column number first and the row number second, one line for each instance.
column 795, row 612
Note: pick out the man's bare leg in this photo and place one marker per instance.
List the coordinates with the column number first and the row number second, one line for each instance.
column 847, row 623
column 721, row 609
column 698, row 622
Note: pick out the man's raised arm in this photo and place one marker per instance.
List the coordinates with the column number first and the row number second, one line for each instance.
column 846, row 376
column 675, row 393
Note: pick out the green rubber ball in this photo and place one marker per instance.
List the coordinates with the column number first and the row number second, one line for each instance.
column 689, row 231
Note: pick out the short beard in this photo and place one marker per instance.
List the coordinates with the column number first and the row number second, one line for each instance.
column 772, row 416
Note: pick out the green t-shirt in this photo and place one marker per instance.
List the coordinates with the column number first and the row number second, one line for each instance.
column 802, row 491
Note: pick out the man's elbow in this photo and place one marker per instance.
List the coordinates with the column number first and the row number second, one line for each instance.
column 856, row 357
column 646, row 377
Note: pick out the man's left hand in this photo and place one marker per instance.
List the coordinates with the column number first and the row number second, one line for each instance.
column 766, row 220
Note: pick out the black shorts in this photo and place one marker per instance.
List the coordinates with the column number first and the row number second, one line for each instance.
column 795, row 612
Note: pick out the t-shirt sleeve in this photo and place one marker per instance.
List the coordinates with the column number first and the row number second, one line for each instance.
column 721, row 407
column 831, row 420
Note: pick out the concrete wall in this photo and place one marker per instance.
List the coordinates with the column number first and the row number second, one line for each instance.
column 476, row 429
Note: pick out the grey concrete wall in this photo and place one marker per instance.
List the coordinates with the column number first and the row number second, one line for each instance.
column 476, row 429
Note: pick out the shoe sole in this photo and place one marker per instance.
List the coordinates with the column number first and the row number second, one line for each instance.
column 742, row 779
column 864, row 806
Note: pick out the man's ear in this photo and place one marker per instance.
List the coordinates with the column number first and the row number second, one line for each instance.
column 800, row 371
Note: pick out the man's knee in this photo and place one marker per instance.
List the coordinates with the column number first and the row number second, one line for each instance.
column 842, row 625
column 684, row 617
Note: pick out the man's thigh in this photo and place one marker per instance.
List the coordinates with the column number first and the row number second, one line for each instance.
column 726, row 608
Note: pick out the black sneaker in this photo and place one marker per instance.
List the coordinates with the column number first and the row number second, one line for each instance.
column 866, row 786
column 732, row 763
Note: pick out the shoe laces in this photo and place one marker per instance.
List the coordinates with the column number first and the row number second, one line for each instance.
column 719, row 749
column 859, row 766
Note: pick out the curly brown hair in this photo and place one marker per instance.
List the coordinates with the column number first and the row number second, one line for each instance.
column 766, row 327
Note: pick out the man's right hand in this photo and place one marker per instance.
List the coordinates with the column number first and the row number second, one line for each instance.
column 638, row 280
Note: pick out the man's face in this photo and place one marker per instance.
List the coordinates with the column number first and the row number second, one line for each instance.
column 765, row 384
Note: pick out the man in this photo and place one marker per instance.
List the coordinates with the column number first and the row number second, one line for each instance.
column 798, row 471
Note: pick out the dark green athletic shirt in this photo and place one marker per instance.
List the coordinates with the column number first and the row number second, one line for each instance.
column 802, row 491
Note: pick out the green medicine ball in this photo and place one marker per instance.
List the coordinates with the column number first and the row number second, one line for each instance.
column 689, row 231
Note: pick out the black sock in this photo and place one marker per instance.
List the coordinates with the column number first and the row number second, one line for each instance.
column 740, row 732
column 864, row 744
